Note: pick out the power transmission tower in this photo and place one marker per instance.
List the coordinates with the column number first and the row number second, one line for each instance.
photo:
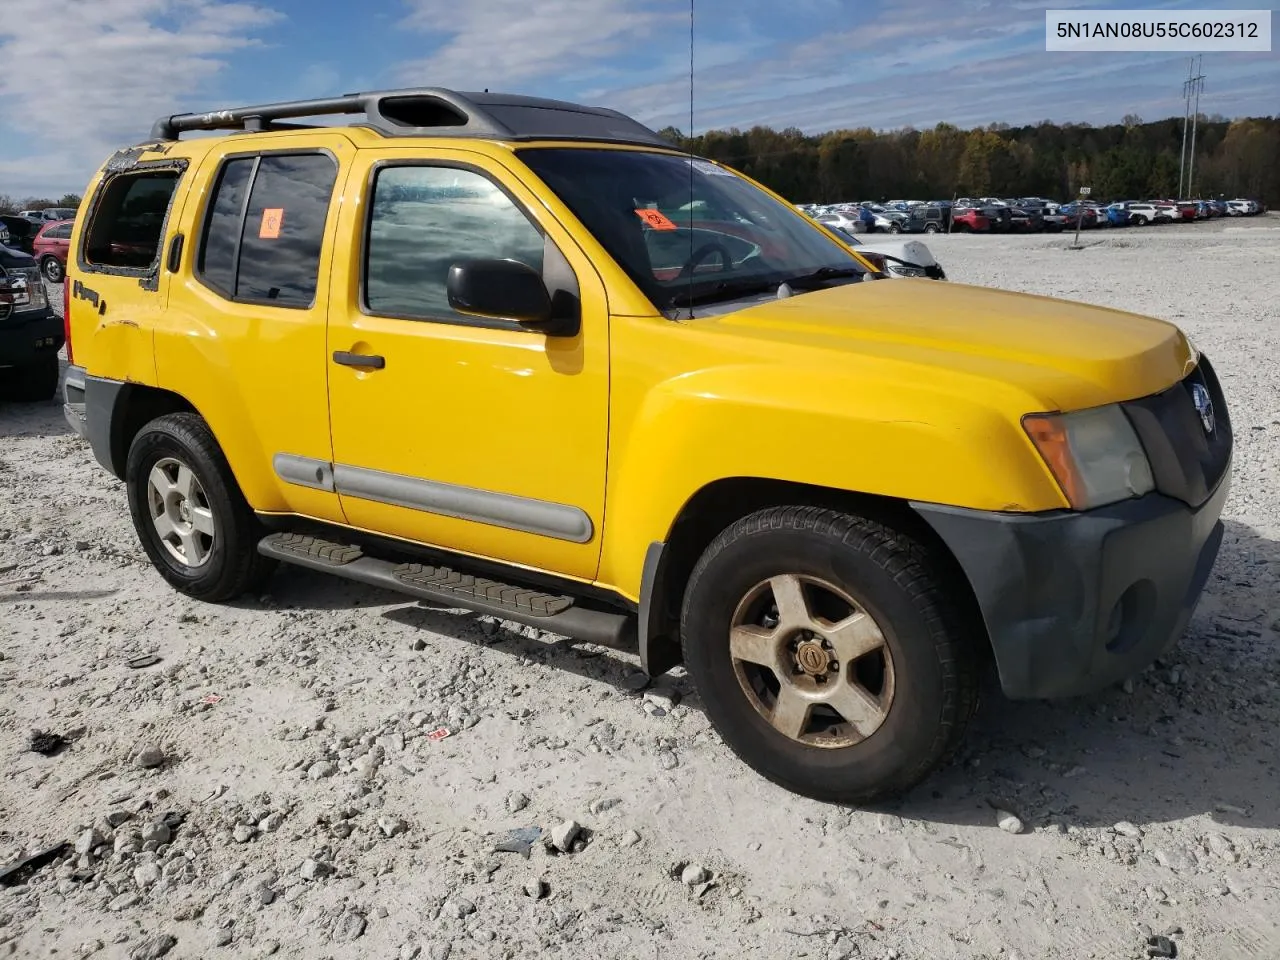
column 1197, row 83
column 1186, row 115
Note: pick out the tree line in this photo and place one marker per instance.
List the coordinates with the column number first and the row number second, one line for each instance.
column 1131, row 160
column 10, row 204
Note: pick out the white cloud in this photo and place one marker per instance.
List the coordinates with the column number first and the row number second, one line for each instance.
column 83, row 77
column 513, row 42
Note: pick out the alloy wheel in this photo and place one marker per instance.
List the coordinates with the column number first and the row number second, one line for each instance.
column 180, row 512
column 812, row 661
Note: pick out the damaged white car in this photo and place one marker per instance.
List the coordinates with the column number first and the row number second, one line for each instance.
column 895, row 258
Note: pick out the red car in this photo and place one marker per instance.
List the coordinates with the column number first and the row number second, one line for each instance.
column 970, row 219
column 50, row 249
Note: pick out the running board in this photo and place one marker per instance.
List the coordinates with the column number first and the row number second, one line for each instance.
column 554, row 612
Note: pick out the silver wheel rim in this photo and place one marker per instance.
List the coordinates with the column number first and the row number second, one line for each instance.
column 180, row 512
column 812, row 661
column 53, row 270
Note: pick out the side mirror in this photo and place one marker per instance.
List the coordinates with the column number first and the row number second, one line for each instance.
column 502, row 289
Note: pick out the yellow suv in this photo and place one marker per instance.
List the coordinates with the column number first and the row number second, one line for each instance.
column 524, row 357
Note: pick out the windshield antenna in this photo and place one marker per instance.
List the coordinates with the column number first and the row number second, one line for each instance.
column 690, row 144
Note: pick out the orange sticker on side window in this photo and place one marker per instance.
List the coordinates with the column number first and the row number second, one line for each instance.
column 272, row 218
column 655, row 219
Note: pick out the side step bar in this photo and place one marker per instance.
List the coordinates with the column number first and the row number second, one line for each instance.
column 556, row 613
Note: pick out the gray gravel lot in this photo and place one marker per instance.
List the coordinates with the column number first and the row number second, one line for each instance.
column 269, row 786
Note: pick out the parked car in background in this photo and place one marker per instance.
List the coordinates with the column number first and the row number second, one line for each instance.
column 842, row 220
column 20, row 232
column 925, row 218
column 35, row 216
column 30, row 333
column 1118, row 213
column 50, row 249
column 1141, row 214
column 1085, row 214
column 969, row 220
column 4, row 235
column 52, row 214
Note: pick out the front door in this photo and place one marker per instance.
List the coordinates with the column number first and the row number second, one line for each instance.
column 474, row 435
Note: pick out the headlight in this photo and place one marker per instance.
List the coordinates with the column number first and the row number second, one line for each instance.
column 901, row 270
column 1094, row 454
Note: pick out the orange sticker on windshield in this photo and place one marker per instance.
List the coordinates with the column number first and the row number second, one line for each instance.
column 272, row 218
column 655, row 219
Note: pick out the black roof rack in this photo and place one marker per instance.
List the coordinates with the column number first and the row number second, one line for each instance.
column 431, row 112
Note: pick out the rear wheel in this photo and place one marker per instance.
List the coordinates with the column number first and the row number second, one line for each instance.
column 894, row 227
column 31, row 382
column 1139, row 221
column 189, row 513
column 930, row 228
column 829, row 652
column 52, row 269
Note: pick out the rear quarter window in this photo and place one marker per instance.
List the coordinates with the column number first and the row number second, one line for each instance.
column 126, row 223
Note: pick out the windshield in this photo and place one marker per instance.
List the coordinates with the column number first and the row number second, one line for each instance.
column 686, row 230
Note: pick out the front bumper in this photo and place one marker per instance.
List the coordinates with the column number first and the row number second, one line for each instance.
column 1075, row 602
column 30, row 337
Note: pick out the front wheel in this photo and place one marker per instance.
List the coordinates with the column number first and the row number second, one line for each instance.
column 189, row 513
column 894, row 228
column 830, row 652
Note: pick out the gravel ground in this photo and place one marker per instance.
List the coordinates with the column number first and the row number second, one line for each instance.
column 272, row 785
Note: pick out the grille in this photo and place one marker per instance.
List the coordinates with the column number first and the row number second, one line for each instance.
column 1188, row 461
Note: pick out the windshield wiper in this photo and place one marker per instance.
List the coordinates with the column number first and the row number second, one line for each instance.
column 724, row 290
column 825, row 273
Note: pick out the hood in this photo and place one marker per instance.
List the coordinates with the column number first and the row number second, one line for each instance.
column 912, row 251
column 1067, row 355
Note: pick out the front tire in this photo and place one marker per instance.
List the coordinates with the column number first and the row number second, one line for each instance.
column 189, row 513
column 830, row 651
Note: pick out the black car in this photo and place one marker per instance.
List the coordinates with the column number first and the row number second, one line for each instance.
column 927, row 218
column 22, row 232
column 30, row 333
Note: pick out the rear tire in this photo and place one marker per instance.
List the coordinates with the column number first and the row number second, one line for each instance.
column 51, row 267
column 189, row 513
column 32, row 382
column 894, row 228
column 899, row 681
column 930, row 228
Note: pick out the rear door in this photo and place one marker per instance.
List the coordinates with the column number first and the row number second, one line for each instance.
column 118, row 289
column 244, row 336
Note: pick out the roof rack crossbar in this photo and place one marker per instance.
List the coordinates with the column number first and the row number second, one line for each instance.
column 430, row 111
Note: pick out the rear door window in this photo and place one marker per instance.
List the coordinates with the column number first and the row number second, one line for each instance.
column 126, row 225
column 264, row 228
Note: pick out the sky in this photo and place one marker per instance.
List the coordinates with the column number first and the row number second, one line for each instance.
column 79, row 78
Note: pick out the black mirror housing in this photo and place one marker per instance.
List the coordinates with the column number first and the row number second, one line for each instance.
column 502, row 289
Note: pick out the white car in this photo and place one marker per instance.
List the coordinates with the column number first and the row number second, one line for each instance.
column 901, row 259
column 1241, row 208
column 1140, row 214
column 844, row 221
